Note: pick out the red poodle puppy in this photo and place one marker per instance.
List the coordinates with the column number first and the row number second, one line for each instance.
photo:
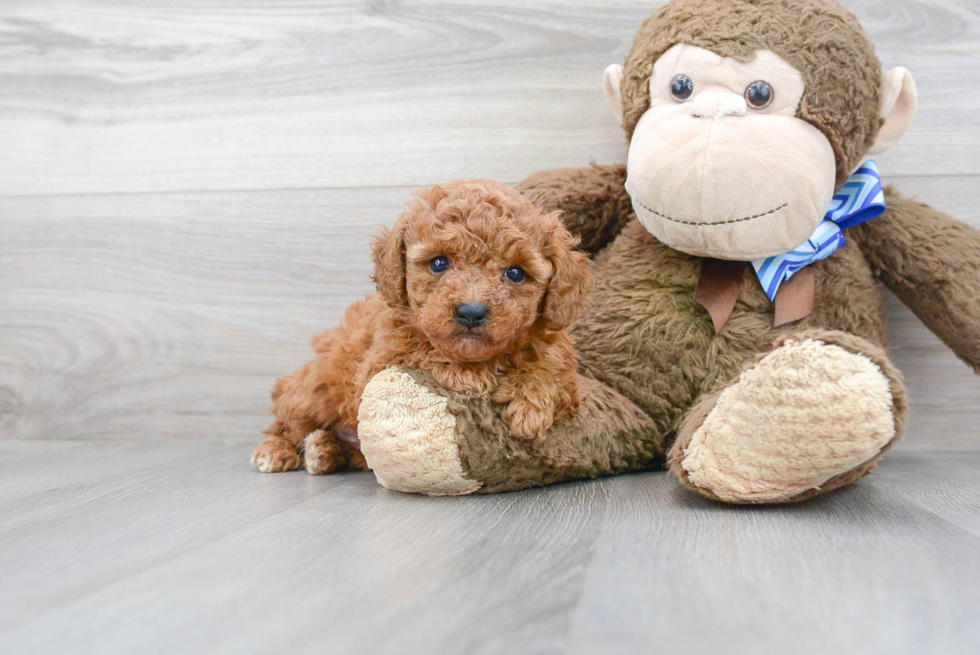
column 474, row 286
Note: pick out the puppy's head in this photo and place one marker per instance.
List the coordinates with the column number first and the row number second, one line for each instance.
column 475, row 267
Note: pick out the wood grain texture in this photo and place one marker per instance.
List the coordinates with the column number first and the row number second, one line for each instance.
column 134, row 316
column 863, row 571
column 222, row 94
column 175, row 312
column 187, row 191
column 196, row 554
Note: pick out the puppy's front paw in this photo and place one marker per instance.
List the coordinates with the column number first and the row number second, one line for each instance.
column 322, row 453
column 275, row 455
column 527, row 420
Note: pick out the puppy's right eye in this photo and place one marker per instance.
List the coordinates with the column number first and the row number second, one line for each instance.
column 515, row 274
column 439, row 264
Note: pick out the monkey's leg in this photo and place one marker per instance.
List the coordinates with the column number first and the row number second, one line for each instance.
column 418, row 437
column 814, row 414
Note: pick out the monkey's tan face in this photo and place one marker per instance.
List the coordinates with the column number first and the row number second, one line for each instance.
column 720, row 166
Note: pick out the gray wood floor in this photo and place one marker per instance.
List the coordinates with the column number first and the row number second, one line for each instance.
column 141, row 547
column 186, row 194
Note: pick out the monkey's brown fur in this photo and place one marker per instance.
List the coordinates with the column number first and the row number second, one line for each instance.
column 522, row 357
column 652, row 366
column 651, row 363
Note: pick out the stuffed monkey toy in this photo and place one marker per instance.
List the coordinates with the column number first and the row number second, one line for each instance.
column 736, row 330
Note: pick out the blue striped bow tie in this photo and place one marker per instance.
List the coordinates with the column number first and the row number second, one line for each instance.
column 859, row 200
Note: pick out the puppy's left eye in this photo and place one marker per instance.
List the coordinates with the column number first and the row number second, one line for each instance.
column 515, row 274
column 439, row 264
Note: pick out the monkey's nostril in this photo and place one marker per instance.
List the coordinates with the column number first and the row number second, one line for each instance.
column 471, row 315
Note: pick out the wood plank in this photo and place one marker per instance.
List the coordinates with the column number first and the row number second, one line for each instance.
column 213, row 557
column 940, row 479
column 858, row 571
column 149, row 507
column 943, row 392
column 171, row 316
column 135, row 316
column 344, row 563
column 140, row 97
column 39, row 476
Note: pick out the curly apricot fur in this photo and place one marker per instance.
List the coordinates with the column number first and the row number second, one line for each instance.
column 520, row 356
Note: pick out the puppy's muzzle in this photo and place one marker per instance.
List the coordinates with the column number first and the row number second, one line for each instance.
column 471, row 315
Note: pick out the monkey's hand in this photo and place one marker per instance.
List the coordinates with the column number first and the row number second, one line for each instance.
column 931, row 262
column 593, row 201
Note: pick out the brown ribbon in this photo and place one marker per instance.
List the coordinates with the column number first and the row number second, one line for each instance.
column 794, row 300
column 720, row 282
column 718, row 287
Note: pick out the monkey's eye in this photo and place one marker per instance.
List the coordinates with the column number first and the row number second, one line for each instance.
column 759, row 94
column 681, row 87
column 439, row 264
column 515, row 274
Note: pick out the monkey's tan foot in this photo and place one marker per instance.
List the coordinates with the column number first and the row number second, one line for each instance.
column 322, row 453
column 275, row 455
column 814, row 414
column 408, row 437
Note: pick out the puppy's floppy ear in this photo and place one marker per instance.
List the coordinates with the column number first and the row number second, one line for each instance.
column 388, row 250
column 388, row 253
column 570, row 280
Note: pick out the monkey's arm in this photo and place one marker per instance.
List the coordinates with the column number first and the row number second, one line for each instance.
column 931, row 262
column 593, row 201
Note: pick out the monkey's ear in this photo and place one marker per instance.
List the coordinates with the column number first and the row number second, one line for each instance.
column 388, row 253
column 611, row 81
column 898, row 102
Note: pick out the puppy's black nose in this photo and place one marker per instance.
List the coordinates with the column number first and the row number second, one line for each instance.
column 471, row 315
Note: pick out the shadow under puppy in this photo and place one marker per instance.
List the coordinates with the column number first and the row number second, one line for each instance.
column 475, row 286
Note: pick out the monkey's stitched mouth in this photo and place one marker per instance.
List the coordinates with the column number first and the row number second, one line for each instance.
column 734, row 220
